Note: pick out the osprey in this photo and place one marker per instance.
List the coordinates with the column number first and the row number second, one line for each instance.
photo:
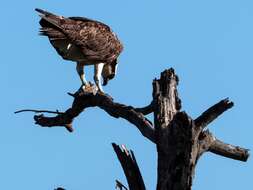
column 85, row 41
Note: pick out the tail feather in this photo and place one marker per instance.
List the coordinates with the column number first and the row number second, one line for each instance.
column 52, row 34
column 49, row 32
column 46, row 13
column 48, row 19
column 51, row 25
column 51, row 20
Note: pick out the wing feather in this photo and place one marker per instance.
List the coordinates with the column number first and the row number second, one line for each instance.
column 94, row 40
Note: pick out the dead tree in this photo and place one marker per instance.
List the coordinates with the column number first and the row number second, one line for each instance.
column 180, row 140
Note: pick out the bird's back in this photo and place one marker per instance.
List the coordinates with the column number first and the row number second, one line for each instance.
column 80, row 39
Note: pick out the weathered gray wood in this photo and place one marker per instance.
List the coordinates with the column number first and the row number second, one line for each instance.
column 175, row 136
column 120, row 186
column 180, row 140
column 212, row 113
column 208, row 142
column 229, row 151
column 84, row 100
column 130, row 167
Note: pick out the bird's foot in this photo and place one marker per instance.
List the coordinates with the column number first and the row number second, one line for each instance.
column 99, row 89
column 84, row 87
column 88, row 88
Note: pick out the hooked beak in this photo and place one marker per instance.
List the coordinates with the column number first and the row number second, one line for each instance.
column 105, row 80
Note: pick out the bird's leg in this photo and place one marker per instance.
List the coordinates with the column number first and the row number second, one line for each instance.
column 98, row 68
column 80, row 71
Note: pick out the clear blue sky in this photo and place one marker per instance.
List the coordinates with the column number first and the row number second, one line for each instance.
column 209, row 43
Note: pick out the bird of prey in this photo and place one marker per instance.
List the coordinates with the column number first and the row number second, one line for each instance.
column 85, row 41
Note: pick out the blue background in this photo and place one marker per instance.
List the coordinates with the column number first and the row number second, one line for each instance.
column 209, row 43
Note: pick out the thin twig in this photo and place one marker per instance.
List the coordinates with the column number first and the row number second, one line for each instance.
column 120, row 185
column 71, row 94
column 38, row 111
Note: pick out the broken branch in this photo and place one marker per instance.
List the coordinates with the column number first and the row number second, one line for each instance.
column 208, row 142
column 130, row 167
column 229, row 151
column 212, row 113
column 120, row 185
column 84, row 100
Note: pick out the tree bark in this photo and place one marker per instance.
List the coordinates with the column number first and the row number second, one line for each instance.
column 175, row 136
column 130, row 167
column 180, row 140
column 83, row 100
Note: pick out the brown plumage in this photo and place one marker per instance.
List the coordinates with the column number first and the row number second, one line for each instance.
column 86, row 41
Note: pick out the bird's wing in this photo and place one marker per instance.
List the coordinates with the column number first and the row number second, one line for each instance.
column 95, row 39
column 51, row 27
column 84, row 19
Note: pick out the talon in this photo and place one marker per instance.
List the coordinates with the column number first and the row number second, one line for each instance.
column 101, row 91
column 83, row 86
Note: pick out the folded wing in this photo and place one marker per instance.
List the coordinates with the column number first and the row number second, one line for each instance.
column 80, row 39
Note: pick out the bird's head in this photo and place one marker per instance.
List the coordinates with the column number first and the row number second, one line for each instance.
column 109, row 71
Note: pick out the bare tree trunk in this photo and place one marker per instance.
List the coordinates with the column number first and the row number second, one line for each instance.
column 180, row 140
column 175, row 136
